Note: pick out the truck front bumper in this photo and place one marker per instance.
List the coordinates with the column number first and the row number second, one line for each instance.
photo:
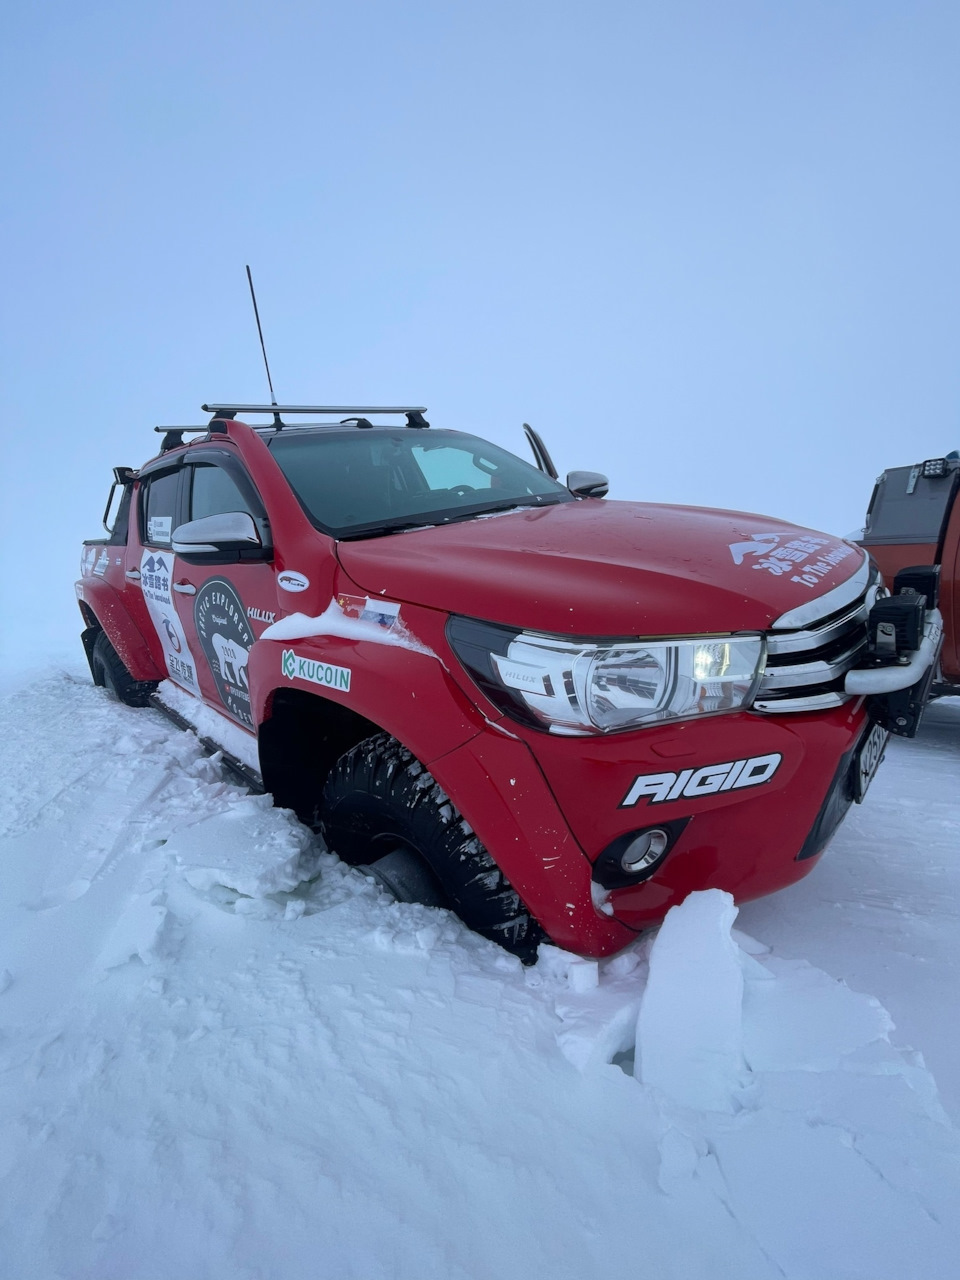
column 561, row 803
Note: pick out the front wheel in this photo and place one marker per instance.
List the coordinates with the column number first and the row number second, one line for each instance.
column 379, row 797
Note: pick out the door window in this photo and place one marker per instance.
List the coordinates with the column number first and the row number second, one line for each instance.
column 213, row 493
column 160, row 509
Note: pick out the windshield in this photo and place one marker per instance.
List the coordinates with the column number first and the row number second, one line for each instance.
column 361, row 483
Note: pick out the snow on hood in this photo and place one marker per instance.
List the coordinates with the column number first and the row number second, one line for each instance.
column 608, row 568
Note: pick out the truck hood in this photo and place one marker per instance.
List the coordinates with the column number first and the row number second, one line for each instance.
column 602, row 568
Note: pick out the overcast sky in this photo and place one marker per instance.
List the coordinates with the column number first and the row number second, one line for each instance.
column 707, row 247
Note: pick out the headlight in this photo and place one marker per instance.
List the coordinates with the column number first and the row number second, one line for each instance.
column 572, row 686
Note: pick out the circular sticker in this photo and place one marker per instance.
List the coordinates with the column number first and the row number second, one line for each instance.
column 225, row 637
column 291, row 581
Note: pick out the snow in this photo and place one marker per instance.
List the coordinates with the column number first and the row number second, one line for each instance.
column 225, row 1054
column 690, row 1028
column 334, row 622
column 240, row 742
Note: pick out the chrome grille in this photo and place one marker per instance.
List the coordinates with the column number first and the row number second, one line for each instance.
column 806, row 665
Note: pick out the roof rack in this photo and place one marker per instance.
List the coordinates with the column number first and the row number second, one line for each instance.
column 357, row 413
column 173, row 436
column 310, row 408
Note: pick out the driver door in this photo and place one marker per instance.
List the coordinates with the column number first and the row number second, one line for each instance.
column 224, row 602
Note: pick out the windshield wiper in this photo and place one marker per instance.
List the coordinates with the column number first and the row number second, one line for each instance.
column 501, row 508
column 380, row 530
column 437, row 520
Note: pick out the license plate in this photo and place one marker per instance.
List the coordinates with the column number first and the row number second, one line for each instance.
column 867, row 760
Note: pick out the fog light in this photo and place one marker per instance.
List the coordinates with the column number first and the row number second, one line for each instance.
column 644, row 851
column 636, row 855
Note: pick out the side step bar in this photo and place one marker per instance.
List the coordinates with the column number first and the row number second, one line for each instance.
column 242, row 772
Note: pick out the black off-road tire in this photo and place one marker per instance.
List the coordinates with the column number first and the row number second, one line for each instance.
column 110, row 673
column 379, row 796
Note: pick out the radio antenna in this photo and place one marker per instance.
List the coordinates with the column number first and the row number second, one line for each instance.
column 273, row 399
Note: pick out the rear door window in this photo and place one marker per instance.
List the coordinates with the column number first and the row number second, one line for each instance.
column 160, row 509
column 120, row 521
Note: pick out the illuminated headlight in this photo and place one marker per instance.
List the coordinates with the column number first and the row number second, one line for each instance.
column 605, row 686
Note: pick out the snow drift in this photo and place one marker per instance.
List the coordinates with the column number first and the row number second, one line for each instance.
column 224, row 1054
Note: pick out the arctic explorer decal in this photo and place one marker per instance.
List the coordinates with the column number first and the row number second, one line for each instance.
column 156, row 572
column 733, row 775
column 225, row 637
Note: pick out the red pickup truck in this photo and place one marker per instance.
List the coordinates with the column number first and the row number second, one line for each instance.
column 556, row 714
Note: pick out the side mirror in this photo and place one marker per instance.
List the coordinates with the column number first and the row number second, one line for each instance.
column 587, row 484
column 229, row 533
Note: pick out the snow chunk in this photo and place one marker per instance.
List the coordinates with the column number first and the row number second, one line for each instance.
column 598, row 1026
column 145, row 929
column 798, row 1018
column 598, row 1008
column 680, row 1156
column 251, row 848
column 750, row 945
column 334, row 622
column 690, row 1028
column 553, row 963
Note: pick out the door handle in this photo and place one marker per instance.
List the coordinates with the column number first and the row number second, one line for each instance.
column 133, row 575
column 185, row 588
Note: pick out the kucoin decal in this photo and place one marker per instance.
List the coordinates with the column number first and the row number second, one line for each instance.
column 156, row 571
column 291, row 581
column 225, row 638
column 733, row 775
column 296, row 667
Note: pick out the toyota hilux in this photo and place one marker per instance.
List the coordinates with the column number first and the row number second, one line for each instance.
column 554, row 713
